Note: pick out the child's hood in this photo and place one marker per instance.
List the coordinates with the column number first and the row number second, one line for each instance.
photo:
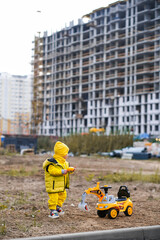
column 61, row 149
column 48, row 161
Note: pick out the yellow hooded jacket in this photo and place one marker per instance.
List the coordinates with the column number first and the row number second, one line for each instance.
column 57, row 182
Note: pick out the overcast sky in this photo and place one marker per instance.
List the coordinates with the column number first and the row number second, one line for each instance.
column 20, row 20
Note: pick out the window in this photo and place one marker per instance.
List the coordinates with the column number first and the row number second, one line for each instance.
column 133, row 20
column 145, row 119
column 145, row 107
column 129, row 21
column 156, row 106
column 156, row 128
column 146, row 98
column 156, row 117
column 157, row 95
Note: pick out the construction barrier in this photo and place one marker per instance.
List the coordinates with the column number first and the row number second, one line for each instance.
column 140, row 233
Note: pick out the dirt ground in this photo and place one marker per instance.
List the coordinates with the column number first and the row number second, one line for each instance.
column 24, row 202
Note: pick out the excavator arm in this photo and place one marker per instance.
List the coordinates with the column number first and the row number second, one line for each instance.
column 96, row 191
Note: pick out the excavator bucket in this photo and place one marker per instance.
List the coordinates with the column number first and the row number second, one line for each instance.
column 83, row 205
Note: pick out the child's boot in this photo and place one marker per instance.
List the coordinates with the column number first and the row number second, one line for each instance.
column 60, row 210
column 53, row 214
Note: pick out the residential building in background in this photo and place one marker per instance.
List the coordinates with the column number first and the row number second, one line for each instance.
column 15, row 104
column 104, row 73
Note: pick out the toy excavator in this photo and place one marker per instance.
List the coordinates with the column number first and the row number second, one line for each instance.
column 108, row 204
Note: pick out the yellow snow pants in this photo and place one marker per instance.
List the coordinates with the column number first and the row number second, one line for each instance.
column 56, row 199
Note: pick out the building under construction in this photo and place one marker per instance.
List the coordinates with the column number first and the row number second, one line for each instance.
column 101, row 74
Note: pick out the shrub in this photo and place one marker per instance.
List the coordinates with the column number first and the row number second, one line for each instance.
column 88, row 144
column 45, row 143
column 91, row 143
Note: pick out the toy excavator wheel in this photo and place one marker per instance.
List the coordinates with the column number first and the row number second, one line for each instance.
column 128, row 211
column 113, row 213
column 101, row 214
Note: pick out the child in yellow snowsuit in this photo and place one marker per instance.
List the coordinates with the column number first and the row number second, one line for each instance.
column 57, row 178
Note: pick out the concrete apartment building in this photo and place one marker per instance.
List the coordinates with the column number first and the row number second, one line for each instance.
column 15, row 104
column 104, row 73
